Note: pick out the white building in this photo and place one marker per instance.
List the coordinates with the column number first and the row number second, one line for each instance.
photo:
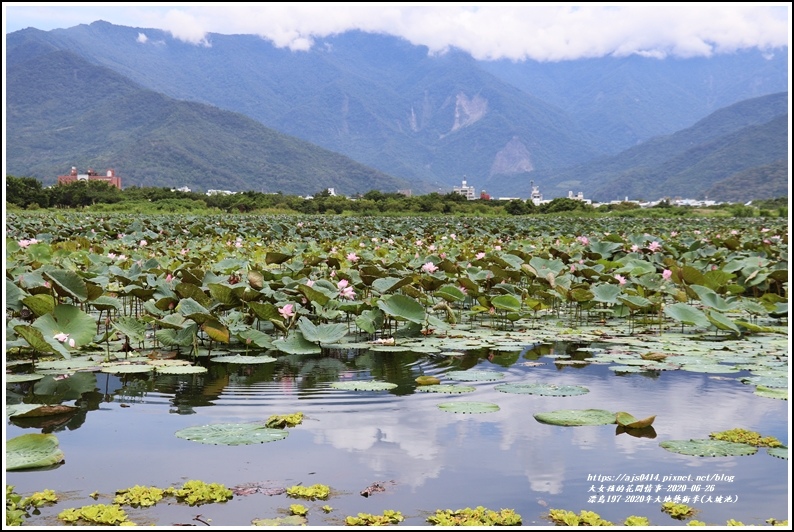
column 465, row 190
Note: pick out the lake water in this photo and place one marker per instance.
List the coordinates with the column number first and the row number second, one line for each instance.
column 426, row 458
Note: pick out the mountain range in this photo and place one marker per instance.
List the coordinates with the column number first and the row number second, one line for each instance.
column 364, row 111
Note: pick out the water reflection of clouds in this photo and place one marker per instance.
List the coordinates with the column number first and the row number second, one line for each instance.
column 408, row 436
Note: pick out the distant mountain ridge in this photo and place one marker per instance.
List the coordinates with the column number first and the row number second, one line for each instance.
column 432, row 121
column 690, row 162
column 63, row 111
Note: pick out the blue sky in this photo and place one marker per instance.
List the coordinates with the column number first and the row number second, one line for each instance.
column 540, row 31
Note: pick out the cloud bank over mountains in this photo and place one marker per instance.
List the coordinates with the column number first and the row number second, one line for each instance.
column 493, row 31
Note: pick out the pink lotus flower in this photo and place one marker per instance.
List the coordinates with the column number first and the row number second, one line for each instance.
column 309, row 283
column 620, row 279
column 667, row 274
column 143, row 243
column 654, row 246
column 342, row 284
column 61, row 337
column 71, row 342
column 287, row 311
column 583, row 240
column 498, row 248
column 429, row 267
column 347, row 292
column 352, row 257
column 635, row 248
column 480, row 255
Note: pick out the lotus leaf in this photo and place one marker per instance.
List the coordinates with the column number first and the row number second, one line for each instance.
column 128, row 368
column 708, row 447
column 296, row 344
column 772, row 393
column 445, row 388
column 232, row 434
column 243, row 359
column 427, row 380
column 542, row 389
column 709, row 368
column 42, row 411
column 31, row 451
column 475, row 375
column 576, row 418
column 20, row 377
column 367, row 386
column 778, row 452
column 624, row 419
column 181, row 370
column 469, row 407
column 769, row 382
column 628, row 369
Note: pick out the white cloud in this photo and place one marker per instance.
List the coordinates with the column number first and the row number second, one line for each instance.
column 142, row 38
column 546, row 32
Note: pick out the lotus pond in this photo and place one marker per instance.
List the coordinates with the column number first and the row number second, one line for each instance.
column 409, row 365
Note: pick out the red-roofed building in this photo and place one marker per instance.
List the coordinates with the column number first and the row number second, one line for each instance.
column 110, row 177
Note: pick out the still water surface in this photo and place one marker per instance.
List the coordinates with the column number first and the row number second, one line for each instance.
column 426, row 458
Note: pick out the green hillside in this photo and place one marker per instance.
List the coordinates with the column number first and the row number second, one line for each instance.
column 64, row 112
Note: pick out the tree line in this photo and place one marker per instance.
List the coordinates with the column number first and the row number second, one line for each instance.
column 28, row 193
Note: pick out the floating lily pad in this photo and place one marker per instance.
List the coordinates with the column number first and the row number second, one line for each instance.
column 72, row 363
column 243, row 359
column 128, row 368
column 427, row 380
column 628, row 369
column 181, row 370
column 778, row 452
column 231, row 434
column 26, row 377
column 576, row 418
column 708, row 447
column 469, row 407
column 772, row 393
column 709, row 368
column 769, row 382
column 366, row 386
column 446, row 388
column 475, row 375
column 289, row 520
column 542, row 389
column 624, row 419
column 31, row 451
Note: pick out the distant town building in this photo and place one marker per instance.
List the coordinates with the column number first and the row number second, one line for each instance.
column 535, row 196
column 579, row 197
column 405, row 192
column 110, row 177
column 215, row 192
column 181, row 189
column 465, row 190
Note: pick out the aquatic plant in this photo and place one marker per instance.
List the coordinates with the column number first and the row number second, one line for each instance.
column 197, row 492
column 479, row 516
column 585, row 518
column 677, row 510
column 137, row 496
column 278, row 421
column 298, row 509
column 389, row 517
column 100, row 514
column 18, row 507
column 749, row 437
column 316, row 491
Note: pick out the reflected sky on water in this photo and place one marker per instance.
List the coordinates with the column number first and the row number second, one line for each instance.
column 427, row 458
